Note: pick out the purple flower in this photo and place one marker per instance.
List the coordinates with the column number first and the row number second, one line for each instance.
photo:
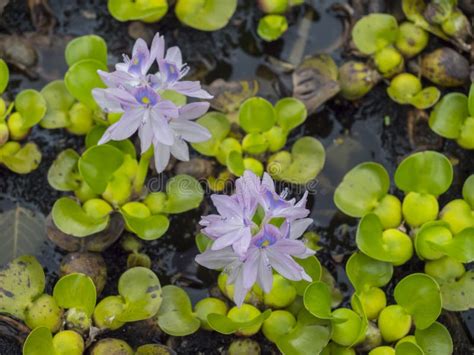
column 255, row 232
column 159, row 122
column 136, row 93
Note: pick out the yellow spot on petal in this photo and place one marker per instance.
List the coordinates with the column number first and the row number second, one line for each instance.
column 145, row 100
column 266, row 243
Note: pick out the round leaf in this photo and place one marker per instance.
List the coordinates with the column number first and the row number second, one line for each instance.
column 148, row 228
column 290, row 113
column 304, row 337
column 468, row 191
column 374, row 32
column 420, row 295
column 225, row 325
column 408, row 348
column 257, row 115
column 205, row 15
column 272, row 27
column 39, row 342
column 235, row 163
column 175, row 316
column 71, row 219
column 22, row 280
column 364, row 272
column 96, row 133
column 98, row 164
column 24, row 161
column 434, row 340
column 313, row 268
column 219, row 127
column 471, row 101
column 63, row 175
column 127, row 10
column 4, row 76
column 58, row 103
column 459, row 295
column 361, row 189
column 317, row 300
column 86, row 47
column 141, row 290
column 32, row 107
column 76, row 291
column 424, row 172
column 183, row 193
column 82, row 77
column 426, row 98
column 449, row 114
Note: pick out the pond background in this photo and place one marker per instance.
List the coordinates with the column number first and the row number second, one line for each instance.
column 374, row 129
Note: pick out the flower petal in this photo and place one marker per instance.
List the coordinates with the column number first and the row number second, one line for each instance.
column 191, row 89
column 157, row 51
column 228, row 239
column 265, row 274
column 250, row 268
column 190, row 131
column 298, row 227
column 226, row 206
column 180, row 150
column 216, row 259
column 162, row 131
column 173, row 55
column 162, row 156
column 145, row 132
column 285, row 265
column 125, row 127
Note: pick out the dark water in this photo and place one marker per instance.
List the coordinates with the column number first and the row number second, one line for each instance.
column 350, row 133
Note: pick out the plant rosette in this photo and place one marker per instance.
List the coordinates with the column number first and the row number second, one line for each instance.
column 406, row 89
column 42, row 341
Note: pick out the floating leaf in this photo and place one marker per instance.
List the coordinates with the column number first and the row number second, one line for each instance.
column 361, row 189
column 408, row 348
column 147, row 11
column 142, row 293
column 470, row 102
column 235, row 163
column 63, row 175
column 304, row 337
column 22, row 280
column 426, row 98
column 257, row 115
column 225, row 325
column 183, row 193
column 39, row 342
column 302, row 165
column 32, row 107
column 219, row 127
column 71, row 219
column 203, row 242
column 4, row 76
column 449, row 115
column 86, row 47
column 148, row 228
column 58, row 103
column 468, row 191
column 68, row 288
column 459, row 295
column 424, row 172
column 23, row 233
column 24, row 160
column 98, row 164
column 434, row 340
column 175, row 316
column 272, row 27
column 290, row 113
column 205, row 15
column 364, row 272
column 313, row 268
column 374, row 32
column 413, row 10
column 420, row 295
column 82, row 77
column 317, row 300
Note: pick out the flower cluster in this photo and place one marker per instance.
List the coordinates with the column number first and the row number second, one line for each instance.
column 138, row 95
column 256, row 232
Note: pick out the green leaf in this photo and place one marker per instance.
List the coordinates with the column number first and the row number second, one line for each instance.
column 76, row 291
column 426, row 98
column 361, row 189
column 424, row 172
column 183, row 193
column 219, row 127
column 313, row 268
column 86, row 47
column 471, row 101
column 203, row 242
column 364, row 272
column 317, row 300
column 71, row 219
column 24, row 160
column 255, row 143
column 81, row 78
column 459, row 295
column 256, row 115
column 39, row 342
column 205, row 15
column 225, row 325
column 96, row 133
column 4, row 76
column 374, row 32
column 142, row 292
column 22, row 281
column 449, row 114
column 235, row 163
column 127, row 10
column 63, row 175
column 175, row 316
column 23, row 233
column 272, row 27
column 391, row 246
column 414, row 10
column 290, row 113
column 408, row 348
column 460, row 247
column 302, row 165
column 304, row 337
column 98, row 164
column 468, row 191
column 58, row 103
column 148, row 228
column 32, row 107
column 434, row 340
column 420, row 296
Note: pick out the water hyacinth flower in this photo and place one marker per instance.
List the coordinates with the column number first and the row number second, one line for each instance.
column 137, row 94
column 255, row 232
